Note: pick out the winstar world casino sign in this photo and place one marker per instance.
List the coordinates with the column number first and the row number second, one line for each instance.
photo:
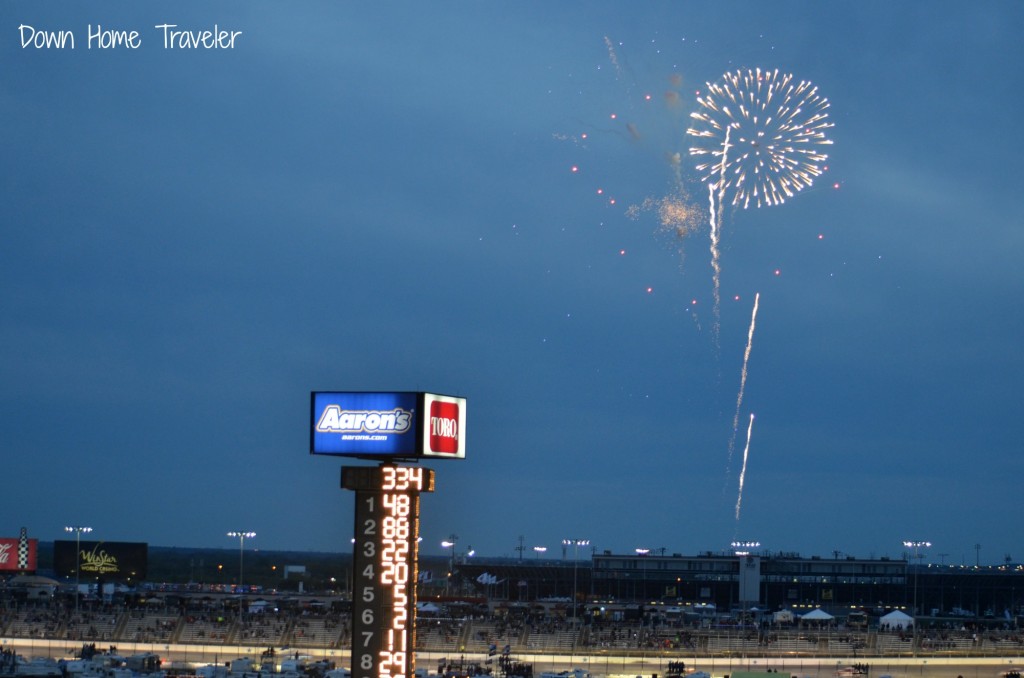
column 399, row 425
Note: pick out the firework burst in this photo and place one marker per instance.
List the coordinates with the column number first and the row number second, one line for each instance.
column 777, row 127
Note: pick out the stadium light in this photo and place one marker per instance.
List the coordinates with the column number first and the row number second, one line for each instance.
column 449, row 543
column 78, row 530
column 242, row 536
column 916, row 545
column 642, row 551
column 742, row 548
column 576, row 544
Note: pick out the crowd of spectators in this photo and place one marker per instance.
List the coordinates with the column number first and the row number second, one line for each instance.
column 502, row 632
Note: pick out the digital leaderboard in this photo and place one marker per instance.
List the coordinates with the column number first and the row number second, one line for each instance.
column 387, row 520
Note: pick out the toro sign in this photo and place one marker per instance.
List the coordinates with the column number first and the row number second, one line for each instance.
column 400, row 425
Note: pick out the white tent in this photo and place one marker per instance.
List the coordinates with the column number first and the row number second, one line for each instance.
column 783, row 617
column 896, row 620
column 817, row 614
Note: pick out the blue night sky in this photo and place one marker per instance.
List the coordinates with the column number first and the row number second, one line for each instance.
column 381, row 196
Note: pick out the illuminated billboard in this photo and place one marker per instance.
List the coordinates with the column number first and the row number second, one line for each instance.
column 401, row 425
column 113, row 560
column 18, row 555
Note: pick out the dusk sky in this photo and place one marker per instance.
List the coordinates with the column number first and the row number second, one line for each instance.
column 463, row 198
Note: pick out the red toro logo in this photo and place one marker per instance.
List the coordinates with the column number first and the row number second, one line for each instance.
column 444, row 427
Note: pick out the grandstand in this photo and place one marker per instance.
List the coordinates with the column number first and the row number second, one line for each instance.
column 316, row 631
column 146, row 626
column 32, row 622
column 439, row 635
column 203, row 629
column 476, row 634
column 491, row 633
column 552, row 637
column 264, row 629
column 92, row 625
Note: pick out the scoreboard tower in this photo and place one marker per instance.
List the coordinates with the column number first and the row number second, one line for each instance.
column 386, row 427
column 385, row 567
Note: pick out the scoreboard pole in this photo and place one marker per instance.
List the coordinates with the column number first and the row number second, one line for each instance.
column 385, row 567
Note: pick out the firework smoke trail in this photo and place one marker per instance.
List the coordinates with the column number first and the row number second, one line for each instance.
column 743, row 377
column 743, row 471
column 716, row 225
column 715, row 266
column 612, row 56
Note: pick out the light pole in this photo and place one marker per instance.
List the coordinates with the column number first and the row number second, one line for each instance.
column 576, row 544
column 740, row 549
column 643, row 591
column 78, row 530
column 916, row 545
column 242, row 536
column 538, row 550
column 449, row 543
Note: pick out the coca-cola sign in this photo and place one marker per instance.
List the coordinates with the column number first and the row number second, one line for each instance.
column 17, row 555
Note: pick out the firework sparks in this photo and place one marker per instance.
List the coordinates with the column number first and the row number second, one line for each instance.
column 743, row 471
column 779, row 126
column 746, row 358
column 743, row 377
